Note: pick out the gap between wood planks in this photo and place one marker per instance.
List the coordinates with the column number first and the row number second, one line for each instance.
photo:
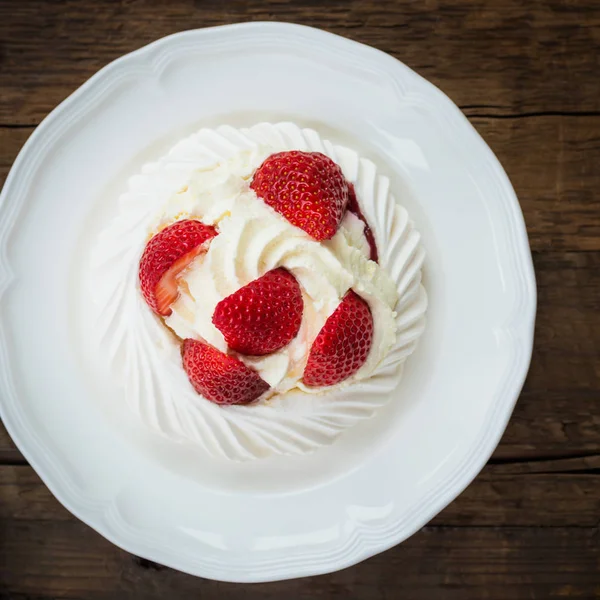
column 523, row 115
column 12, row 458
column 471, row 112
column 576, row 463
column 579, row 463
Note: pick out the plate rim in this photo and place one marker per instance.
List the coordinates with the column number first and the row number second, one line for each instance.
column 365, row 541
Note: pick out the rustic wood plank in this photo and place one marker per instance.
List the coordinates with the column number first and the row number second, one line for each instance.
column 552, row 162
column 557, row 414
column 50, row 559
column 501, row 495
column 11, row 142
column 23, row 496
column 9, row 454
column 508, row 499
column 506, row 56
column 526, row 75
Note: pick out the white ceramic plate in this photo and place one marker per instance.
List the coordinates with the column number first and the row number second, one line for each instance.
column 382, row 480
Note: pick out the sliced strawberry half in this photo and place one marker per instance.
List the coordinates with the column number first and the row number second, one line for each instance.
column 166, row 255
column 307, row 188
column 342, row 345
column 220, row 378
column 263, row 316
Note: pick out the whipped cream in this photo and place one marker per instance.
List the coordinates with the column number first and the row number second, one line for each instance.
column 254, row 239
column 206, row 177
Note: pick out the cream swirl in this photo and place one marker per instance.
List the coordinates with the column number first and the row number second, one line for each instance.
column 206, row 176
column 253, row 239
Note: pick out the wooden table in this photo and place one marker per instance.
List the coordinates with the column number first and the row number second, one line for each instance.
column 527, row 74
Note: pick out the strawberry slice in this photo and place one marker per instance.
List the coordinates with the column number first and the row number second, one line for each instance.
column 342, row 345
column 166, row 255
column 307, row 188
column 263, row 316
column 218, row 377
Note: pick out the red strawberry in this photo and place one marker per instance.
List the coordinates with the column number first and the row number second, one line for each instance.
column 166, row 255
column 263, row 316
column 342, row 345
column 307, row 188
column 218, row 377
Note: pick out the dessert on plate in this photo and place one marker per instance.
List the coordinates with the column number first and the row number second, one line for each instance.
column 258, row 291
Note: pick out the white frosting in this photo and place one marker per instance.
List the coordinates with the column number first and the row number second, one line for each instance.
column 254, row 239
column 206, row 176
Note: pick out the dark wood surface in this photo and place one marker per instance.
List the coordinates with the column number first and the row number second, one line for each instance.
column 527, row 74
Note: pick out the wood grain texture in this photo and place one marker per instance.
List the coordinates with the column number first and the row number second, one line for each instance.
column 557, row 415
column 505, row 57
column 526, row 75
column 66, row 559
column 9, row 454
column 552, row 162
column 464, row 553
column 530, row 494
